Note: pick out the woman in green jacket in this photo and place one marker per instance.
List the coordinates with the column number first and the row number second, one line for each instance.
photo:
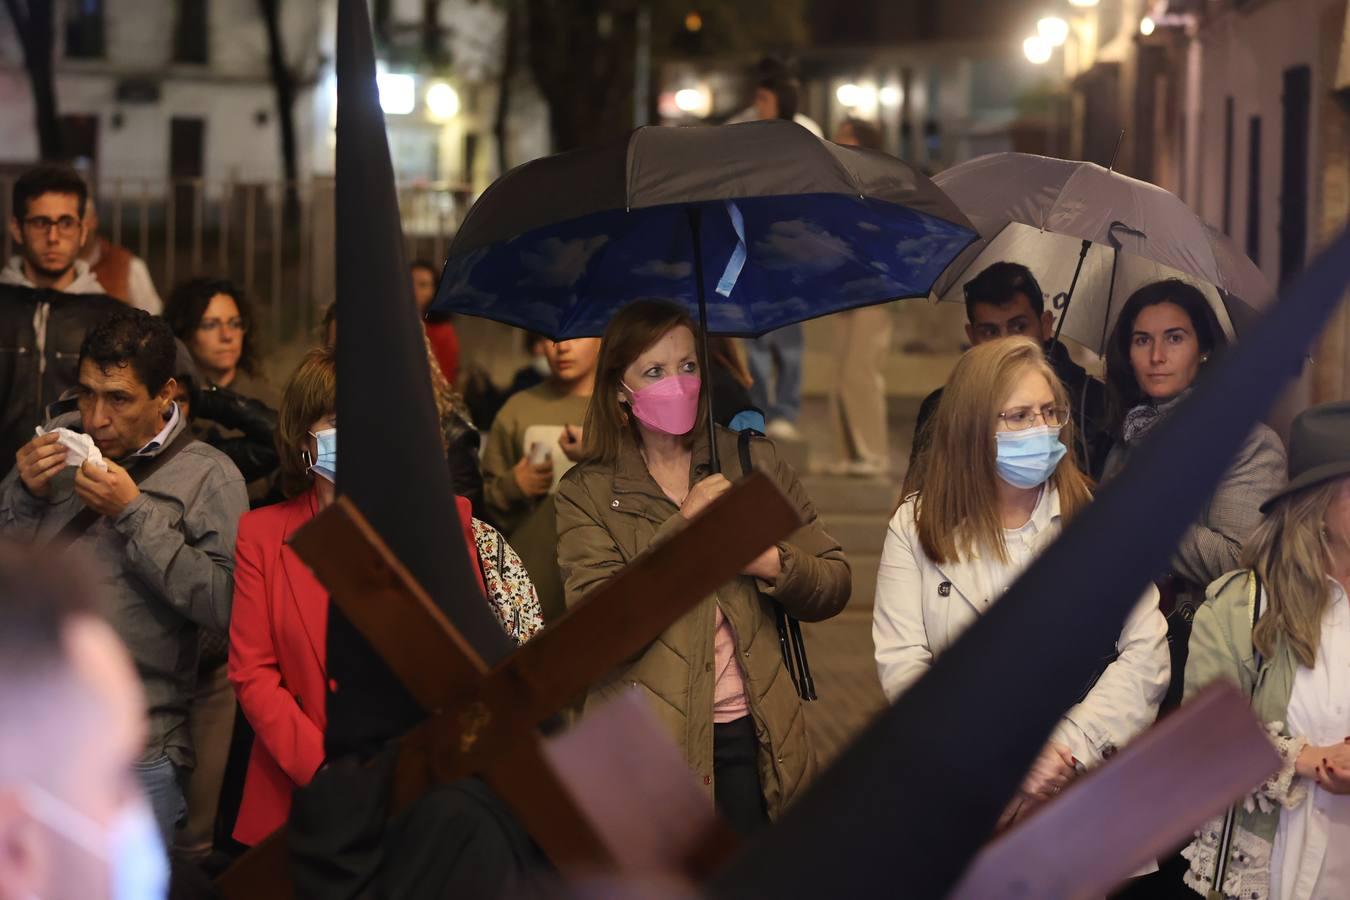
column 1292, row 834
column 716, row 677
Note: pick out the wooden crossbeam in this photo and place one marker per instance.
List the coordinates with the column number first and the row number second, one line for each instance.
column 479, row 718
column 661, row 820
column 1182, row 772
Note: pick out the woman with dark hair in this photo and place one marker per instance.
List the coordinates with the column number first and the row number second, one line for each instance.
column 213, row 317
column 1164, row 336
column 644, row 474
column 233, row 406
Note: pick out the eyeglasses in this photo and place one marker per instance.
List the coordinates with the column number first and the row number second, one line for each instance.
column 235, row 324
column 1023, row 417
column 66, row 225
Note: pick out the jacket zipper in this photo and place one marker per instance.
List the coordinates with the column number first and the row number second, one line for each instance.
column 40, row 319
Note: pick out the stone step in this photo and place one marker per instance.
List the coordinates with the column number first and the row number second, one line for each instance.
column 858, row 534
column 839, row 494
column 864, row 566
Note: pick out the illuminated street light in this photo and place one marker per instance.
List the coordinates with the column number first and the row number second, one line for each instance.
column 398, row 93
column 693, row 22
column 1053, row 29
column 1037, row 49
column 849, row 95
column 1146, row 26
column 442, row 101
column 889, row 95
column 694, row 101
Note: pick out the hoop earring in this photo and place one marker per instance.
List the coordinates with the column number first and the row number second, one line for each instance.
column 307, row 459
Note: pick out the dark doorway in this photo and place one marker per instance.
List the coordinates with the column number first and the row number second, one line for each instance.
column 187, row 141
column 1254, row 189
column 79, row 139
column 1294, row 170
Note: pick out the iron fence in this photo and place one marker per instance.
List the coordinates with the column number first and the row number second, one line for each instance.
column 274, row 239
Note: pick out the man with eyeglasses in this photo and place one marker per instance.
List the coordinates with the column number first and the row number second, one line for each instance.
column 49, row 299
column 1002, row 301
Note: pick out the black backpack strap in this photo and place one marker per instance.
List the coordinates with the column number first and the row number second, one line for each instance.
column 86, row 517
column 743, row 450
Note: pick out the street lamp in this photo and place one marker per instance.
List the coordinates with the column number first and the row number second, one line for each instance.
column 1053, row 29
column 442, row 101
column 695, row 101
column 1037, row 49
column 398, row 93
column 1147, row 26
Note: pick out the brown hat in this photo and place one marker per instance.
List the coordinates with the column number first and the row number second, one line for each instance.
column 1319, row 448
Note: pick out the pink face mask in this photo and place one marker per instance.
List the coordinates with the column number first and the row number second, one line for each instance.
column 669, row 406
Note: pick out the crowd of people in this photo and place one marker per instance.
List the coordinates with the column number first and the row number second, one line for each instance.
column 182, row 691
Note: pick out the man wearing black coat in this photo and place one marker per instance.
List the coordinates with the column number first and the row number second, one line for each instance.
column 1004, row 301
column 48, row 300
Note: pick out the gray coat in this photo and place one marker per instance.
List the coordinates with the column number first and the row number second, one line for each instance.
column 1213, row 545
column 167, row 564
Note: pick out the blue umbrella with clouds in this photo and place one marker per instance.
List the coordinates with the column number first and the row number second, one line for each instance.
column 752, row 226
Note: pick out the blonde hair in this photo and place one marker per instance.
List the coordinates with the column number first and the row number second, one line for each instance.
column 1290, row 552
column 954, row 481
column 310, row 395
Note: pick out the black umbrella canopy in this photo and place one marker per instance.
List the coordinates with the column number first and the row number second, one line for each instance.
column 921, row 789
column 658, row 165
column 393, row 466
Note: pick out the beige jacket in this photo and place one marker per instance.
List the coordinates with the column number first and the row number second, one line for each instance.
column 609, row 514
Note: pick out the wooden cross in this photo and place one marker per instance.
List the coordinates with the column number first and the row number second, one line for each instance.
column 1127, row 813
column 484, row 722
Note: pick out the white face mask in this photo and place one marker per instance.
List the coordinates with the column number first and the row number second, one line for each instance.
column 130, row 845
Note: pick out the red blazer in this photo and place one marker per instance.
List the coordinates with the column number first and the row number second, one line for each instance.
column 445, row 344
column 277, row 659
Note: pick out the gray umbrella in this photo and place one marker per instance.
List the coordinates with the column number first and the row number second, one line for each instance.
column 1092, row 235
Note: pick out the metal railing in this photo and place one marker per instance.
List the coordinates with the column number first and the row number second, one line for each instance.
column 274, row 239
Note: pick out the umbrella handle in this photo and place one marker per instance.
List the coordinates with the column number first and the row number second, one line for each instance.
column 695, row 216
column 1082, row 257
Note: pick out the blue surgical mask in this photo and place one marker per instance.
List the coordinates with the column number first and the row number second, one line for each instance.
column 326, row 463
column 1027, row 459
column 130, row 845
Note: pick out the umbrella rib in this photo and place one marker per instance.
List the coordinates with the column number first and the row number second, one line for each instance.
column 1073, row 173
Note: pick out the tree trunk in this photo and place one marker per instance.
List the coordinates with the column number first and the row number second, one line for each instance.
column 584, row 71
column 36, row 30
column 284, row 84
column 508, row 73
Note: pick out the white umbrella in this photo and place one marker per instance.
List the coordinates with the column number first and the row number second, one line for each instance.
column 1092, row 236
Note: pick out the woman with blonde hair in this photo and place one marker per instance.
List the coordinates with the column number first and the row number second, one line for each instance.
column 989, row 494
column 1280, row 630
column 716, row 677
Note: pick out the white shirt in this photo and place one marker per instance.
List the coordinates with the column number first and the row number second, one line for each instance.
column 1311, row 856
column 923, row 607
column 158, row 440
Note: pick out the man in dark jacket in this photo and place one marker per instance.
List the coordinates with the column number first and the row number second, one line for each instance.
column 1004, row 301
column 48, row 300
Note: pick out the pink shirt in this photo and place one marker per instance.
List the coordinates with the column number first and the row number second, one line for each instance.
column 729, row 703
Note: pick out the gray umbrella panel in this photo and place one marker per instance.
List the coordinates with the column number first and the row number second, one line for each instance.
column 1097, row 298
column 1087, row 202
column 660, row 165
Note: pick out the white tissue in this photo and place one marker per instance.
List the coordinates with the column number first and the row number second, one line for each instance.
column 79, row 447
